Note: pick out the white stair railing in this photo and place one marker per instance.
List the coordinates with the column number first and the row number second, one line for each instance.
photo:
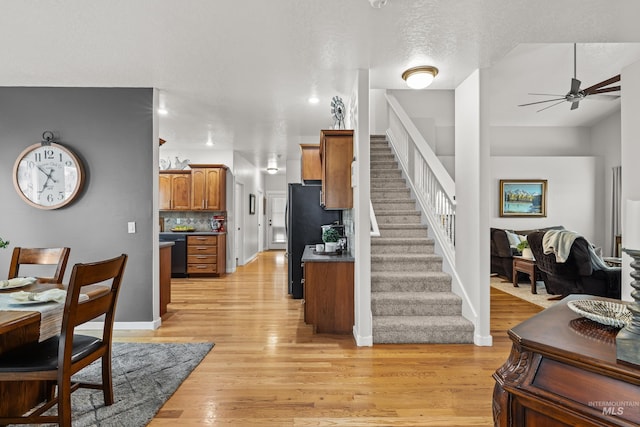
column 433, row 187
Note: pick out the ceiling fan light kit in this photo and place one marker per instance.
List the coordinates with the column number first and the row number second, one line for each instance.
column 420, row 77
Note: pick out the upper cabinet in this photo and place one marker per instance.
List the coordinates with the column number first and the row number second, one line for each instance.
column 336, row 155
column 175, row 190
column 208, row 187
column 203, row 187
column 310, row 163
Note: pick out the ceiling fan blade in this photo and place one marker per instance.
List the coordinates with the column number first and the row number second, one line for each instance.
column 575, row 105
column 604, row 90
column 602, row 84
column 552, row 105
column 598, row 97
column 542, row 102
column 575, row 86
column 546, row 94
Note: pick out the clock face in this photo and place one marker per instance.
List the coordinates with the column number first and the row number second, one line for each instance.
column 48, row 176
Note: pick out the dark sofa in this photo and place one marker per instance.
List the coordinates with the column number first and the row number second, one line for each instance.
column 577, row 274
column 502, row 253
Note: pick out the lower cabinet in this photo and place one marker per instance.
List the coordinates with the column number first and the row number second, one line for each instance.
column 206, row 255
column 328, row 296
column 165, row 278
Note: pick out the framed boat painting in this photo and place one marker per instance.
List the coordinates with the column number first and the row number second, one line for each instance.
column 523, row 197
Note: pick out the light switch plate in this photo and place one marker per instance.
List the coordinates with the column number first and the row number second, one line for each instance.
column 131, row 226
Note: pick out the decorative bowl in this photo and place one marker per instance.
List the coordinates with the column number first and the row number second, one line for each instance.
column 604, row 312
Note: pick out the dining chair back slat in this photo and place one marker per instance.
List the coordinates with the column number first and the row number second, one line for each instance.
column 40, row 256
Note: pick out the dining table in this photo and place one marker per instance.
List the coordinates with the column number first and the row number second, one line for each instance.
column 24, row 322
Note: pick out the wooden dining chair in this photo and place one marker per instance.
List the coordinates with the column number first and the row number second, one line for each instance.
column 56, row 359
column 40, row 256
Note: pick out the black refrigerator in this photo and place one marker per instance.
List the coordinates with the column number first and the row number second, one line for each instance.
column 304, row 219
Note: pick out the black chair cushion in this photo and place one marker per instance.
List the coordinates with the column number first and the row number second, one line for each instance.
column 43, row 356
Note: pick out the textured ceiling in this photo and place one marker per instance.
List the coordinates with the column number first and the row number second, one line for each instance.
column 242, row 70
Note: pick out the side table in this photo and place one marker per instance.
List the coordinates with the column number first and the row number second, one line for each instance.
column 528, row 266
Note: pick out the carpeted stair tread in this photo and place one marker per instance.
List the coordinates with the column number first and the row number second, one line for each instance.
column 410, row 281
column 415, row 329
column 401, row 240
column 415, row 304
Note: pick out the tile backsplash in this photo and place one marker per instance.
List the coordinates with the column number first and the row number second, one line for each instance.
column 201, row 221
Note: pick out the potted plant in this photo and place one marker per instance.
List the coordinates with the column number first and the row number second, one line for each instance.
column 330, row 238
column 4, row 243
column 524, row 248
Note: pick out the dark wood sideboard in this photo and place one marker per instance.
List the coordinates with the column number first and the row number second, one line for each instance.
column 562, row 371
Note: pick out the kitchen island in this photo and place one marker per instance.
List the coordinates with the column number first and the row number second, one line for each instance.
column 328, row 291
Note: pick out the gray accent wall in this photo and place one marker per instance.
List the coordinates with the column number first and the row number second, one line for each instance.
column 111, row 130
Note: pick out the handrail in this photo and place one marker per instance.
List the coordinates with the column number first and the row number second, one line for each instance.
column 432, row 184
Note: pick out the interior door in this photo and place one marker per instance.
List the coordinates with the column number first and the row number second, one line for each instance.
column 276, row 233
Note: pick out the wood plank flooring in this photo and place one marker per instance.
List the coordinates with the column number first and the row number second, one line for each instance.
column 267, row 367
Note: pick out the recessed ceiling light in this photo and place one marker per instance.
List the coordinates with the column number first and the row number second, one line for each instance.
column 163, row 111
column 313, row 100
column 209, row 143
column 420, row 77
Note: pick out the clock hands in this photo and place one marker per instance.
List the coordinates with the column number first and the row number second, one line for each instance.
column 49, row 176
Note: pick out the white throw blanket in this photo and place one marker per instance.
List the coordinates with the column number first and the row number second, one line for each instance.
column 558, row 242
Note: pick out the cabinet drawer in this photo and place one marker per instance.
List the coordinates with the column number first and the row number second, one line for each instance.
column 202, row 240
column 202, row 250
column 202, row 268
column 201, row 259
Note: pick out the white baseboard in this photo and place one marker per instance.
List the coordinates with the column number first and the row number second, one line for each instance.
column 360, row 340
column 483, row 341
column 121, row 326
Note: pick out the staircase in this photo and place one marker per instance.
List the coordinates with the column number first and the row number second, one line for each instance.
column 411, row 298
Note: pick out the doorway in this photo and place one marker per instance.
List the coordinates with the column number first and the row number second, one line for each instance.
column 276, row 232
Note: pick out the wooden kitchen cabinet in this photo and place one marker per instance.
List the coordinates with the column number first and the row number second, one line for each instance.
column 175, row 190
column 311, row 169
column 209, row 187
column 206, row 255
column 336, row 155
column 328, row 296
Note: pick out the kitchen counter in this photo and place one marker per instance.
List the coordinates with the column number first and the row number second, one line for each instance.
column 309, row 256
column 166, row 244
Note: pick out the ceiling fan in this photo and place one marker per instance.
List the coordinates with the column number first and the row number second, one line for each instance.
column 575, row 94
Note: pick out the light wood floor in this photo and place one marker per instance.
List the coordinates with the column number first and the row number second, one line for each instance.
column 267, row 367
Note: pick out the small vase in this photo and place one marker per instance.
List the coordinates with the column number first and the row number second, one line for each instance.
column 527, row 253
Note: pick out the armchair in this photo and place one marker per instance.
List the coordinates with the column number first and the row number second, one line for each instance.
column 576, row 275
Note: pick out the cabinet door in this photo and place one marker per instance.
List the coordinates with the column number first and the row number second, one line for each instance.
column 164, row 200
column 198, row 188
column 181, row 190
column 310, row 163
column 336, row 155
column 215, row 189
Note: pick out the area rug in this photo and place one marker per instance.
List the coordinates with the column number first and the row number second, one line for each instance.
column 144, row 377
column 523, row 291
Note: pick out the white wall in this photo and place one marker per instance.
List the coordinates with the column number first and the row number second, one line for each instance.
column 471, row 161
column 571, row 192
column 540, row 141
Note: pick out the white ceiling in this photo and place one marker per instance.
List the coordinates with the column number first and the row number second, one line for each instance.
column 242, row 70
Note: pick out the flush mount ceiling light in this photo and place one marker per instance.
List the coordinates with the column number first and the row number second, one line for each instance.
column 420, row 77
column 272, row 170
column 163, row 111
column 378, row 3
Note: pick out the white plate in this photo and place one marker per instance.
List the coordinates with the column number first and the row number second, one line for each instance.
column 19, row 284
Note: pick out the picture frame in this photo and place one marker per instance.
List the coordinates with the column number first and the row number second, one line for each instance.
column 523, row 198
column 252, row 204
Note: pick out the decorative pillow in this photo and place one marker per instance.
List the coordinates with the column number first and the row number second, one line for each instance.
column 514, row 239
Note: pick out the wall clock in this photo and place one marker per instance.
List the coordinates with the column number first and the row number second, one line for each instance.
column 48, row 175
